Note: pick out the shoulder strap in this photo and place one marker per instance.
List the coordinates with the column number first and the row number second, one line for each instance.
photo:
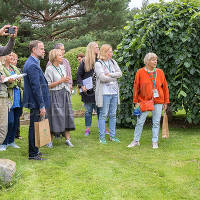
column 99, row 61
column 112, row 61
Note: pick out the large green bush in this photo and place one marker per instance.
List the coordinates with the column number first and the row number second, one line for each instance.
column 71, row 57
column 171, row 30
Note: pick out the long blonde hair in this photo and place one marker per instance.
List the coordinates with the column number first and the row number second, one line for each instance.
column 90, row 56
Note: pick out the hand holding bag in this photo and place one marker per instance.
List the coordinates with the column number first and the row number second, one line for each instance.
column 165, row 128
column 42, row 133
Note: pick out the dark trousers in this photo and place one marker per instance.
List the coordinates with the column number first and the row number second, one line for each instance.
column 18, row 128
column 34, row 117
column 13, row 122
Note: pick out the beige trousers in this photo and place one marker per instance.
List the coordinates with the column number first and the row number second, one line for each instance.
column 3, row 118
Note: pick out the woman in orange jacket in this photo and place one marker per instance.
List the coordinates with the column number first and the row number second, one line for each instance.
column 150, row 93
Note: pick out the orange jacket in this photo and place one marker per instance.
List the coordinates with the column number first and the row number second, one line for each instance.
column 143, row 86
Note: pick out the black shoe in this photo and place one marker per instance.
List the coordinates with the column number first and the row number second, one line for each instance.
column 42, row 154
column 37, row 158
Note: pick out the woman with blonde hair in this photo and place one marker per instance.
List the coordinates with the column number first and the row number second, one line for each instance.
column 15, row 93
column 107, row 91
column 14, row 63
column 86, row 72
column 60, row 113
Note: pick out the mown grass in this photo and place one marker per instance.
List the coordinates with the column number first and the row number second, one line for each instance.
column 91, row 171
column 77, row 104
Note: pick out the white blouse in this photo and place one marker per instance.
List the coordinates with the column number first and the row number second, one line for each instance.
column 54, row 74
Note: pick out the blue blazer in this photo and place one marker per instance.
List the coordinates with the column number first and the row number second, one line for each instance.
column 36, row 91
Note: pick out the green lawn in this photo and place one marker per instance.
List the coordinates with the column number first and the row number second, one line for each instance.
column 77, row 104
column 94, row 171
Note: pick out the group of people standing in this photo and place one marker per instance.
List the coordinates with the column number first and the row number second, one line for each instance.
column 48, row 95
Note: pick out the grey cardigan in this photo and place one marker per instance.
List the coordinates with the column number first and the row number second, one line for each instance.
column 101, row 79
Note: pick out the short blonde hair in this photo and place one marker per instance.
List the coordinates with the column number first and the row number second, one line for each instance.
column 103, row 51
column 53, row 54
column 148, row 57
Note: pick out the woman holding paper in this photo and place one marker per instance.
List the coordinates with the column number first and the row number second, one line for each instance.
column 14, row 63
column 15, row 92
column 86, row 83
column 107, row 91
column 60, row 114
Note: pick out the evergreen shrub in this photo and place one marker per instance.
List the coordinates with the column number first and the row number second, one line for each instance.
column 71, row 57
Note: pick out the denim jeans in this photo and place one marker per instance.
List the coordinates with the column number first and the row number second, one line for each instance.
column 109, row 108
column 13, row 122
column 156, row 115
column 88, row 113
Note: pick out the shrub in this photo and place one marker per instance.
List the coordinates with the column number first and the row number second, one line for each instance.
column 71, row 57
column 171, row 30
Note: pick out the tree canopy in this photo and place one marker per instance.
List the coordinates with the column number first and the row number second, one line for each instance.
column 66, row 19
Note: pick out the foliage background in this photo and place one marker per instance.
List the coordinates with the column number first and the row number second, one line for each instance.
column 71, row 57
column 171, row 30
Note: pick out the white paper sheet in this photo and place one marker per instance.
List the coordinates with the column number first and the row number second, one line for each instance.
column 14, row 76
column 87, row 83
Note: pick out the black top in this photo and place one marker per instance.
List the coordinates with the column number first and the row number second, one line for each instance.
column 89, row 96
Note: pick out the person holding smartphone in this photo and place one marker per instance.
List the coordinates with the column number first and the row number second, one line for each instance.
column 5, row 50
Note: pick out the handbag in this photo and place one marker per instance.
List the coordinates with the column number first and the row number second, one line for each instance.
column 42, row 133
column 146, row 105
column 165, row 128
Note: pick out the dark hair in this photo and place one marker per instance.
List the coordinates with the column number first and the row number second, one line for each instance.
column 58, row 45
column 80, row 55
column 33, row 44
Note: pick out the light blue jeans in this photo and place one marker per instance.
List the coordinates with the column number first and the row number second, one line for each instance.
column 109, row 108
column 156, row 115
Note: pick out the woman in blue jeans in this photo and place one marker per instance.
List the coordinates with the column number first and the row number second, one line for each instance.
column 107, row 91
column 86, row 70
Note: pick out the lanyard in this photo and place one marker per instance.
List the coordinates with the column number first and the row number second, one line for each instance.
column 107, row 66
column 10, row 69
column 154, row 82
column 59, row 71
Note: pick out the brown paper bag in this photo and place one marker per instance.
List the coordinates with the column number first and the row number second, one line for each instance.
column 42, row 133
column 165, row 128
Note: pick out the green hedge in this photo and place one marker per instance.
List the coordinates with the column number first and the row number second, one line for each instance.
column 171, row 30
column 71, row 57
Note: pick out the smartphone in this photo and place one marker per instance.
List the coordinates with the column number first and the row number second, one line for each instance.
column 10, row 30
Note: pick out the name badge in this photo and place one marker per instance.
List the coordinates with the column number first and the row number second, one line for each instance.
column 155, row 93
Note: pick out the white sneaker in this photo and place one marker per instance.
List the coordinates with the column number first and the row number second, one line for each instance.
column 133, row 144
column 50, row 145
column 14, row 145
column 68, row 143
column 3, row 147
column 154, row 145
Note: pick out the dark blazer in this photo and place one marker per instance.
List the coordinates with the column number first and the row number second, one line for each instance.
column 36, row 92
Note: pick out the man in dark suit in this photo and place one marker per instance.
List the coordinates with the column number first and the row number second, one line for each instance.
column 36, row 93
